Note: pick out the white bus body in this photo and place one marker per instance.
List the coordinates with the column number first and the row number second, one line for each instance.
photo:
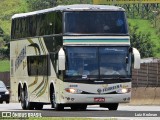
column 75, row 55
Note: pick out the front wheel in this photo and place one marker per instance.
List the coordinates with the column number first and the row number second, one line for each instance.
column 55, row 105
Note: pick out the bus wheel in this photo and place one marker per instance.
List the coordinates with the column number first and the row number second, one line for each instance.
column 23, row 100
column 55, row 105
column 26, row 105
column 19, row 93
column 113, row 106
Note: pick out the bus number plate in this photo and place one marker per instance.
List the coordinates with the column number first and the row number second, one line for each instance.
column 99, row 99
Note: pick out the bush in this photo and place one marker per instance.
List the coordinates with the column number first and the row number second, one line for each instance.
column 142, row 42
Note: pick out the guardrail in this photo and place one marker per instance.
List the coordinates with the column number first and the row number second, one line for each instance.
column 146, row 84
column 5, row 77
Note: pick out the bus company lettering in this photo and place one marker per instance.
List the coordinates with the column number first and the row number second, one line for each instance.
column 112, row 88
column 20, row 58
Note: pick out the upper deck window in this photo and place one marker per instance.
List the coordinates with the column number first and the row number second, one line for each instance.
column 95, row 22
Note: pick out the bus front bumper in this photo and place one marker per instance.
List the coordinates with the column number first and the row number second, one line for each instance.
column 96, row 98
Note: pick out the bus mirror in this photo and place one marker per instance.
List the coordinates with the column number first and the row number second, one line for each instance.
column 137, row 58
column 61, row 59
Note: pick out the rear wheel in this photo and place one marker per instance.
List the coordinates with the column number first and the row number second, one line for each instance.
column 23, row 104
column 19, row 92
column 26, row 105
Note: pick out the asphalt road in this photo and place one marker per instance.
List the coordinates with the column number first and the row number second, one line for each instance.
column 124, row 110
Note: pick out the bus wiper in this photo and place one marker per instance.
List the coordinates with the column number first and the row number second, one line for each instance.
column 92, row 79
column 118, row 78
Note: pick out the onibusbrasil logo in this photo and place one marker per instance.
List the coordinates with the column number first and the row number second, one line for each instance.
column 20, row 114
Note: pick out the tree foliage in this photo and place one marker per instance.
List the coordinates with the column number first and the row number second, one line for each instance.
column 43, row 4
column 141, row 41
column 67, row 2
column 40, row 4
column 4, row 46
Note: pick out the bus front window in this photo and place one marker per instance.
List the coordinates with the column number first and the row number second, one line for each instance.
column 95, row 22
column 97, row 62
column 81, row 61
column 113, row 61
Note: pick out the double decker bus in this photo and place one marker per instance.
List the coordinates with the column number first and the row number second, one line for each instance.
column 72, row 56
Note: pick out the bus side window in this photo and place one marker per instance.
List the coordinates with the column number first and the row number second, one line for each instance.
column 38, row 65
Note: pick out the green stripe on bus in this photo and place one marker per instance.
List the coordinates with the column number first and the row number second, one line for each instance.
column 82, row 40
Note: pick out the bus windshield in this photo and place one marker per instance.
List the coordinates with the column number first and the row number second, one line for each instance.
column 95, row 22
column 97, row 62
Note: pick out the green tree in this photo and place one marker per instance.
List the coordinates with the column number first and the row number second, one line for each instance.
column 1, row 32
column 40, row 4
column 67, row 2
column 43, row 4
column 141, row 41
column 4, row 44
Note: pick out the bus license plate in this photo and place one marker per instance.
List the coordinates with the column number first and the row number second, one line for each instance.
column 99, row 99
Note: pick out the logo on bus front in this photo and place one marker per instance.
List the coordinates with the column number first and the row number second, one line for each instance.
column 99, row 90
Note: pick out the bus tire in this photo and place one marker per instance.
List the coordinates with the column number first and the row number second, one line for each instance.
column 26, row 105
column 23, row 101
column 19, row 92
column 55, row 105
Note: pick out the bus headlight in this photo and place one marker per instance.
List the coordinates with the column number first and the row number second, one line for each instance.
column 124, row 90
column 73, row 90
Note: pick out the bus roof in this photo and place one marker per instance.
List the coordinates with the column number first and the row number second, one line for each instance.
column 76, row 7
